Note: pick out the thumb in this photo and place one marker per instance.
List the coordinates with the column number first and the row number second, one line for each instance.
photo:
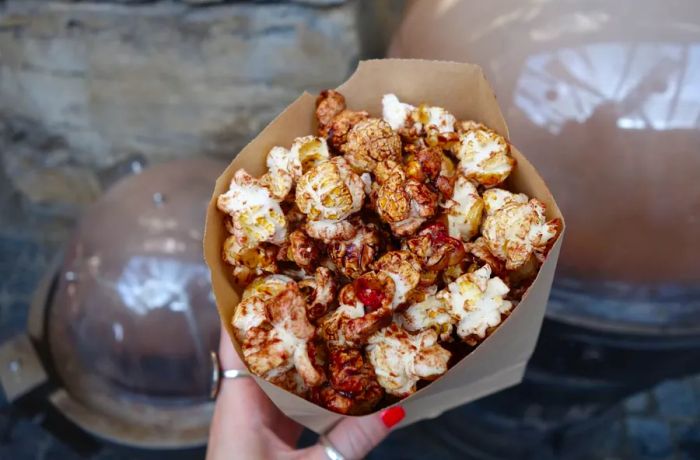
column 355, row 437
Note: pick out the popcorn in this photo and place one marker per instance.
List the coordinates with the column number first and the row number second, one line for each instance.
column 333, row 311
column 404, row 203
column 464, row 126
column 248, row 263
column 401, row 359
column 256, row 216
column 291, row 381
column 365, row 307
column 435, row 248
column 329, row 104
column 319, row 292
column 437, row 119
column 310, row 150
column 496, row 198
column 431, row 313
column 366, row 182
column 286, row 161
column 334, row 120
column 464, row 210
column 329, row 231
column 453, row 272
column 369, row 142
column 354, row 256
column 385, row 170
column 445, row 182
column 279, row 183
column 425, row 165
column 395, row 112
column 300, row 249
column 266, row 287
column 404, row 270
column 348, row 403
column 286, row 166
column 479, row 249
column 518, row 230
column 476, row 303
column 341, row 126
column 416, row 121
column 306, row 152
column 270, row 322
column 484, row 156
column 330, row 191
column 349, row 371
column 429, row 165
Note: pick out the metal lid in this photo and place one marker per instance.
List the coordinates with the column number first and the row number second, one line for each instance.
column 133, row 320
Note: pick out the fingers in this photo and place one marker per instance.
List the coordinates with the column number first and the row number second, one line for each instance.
column 227, row 354
column 355, row 437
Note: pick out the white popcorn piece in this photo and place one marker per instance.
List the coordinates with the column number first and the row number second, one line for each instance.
column 496, row 198
column 330, row 230
column 336, row 324
column 395, row 112
column 418, row 120
column 431, row 313
column 309, row 151
column 281, row 159
column 285, row 167
column 404, row 270
column 518, row 230
column 271, row 325
column 475, row 301
column 365, row 307
column 464, row 210
column 484, row 156
column 401, row 359
column 305, row 153
column 330, row 191
column 249, row 263
column 434, row 119
column 255, row 215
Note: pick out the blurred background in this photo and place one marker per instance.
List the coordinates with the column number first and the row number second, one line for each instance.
column 116, row 116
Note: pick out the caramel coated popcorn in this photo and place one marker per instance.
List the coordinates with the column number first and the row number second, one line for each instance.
column 370, row 249
column 370, row 142
column 404, row 203
column 401, row 359
column 516, row 230
column 330, row 191
column 272, row 327
column 484, row 156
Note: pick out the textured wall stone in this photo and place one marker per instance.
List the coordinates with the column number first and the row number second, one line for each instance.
column 164, row 79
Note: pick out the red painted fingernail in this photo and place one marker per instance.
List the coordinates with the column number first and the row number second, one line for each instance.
column 392, row 416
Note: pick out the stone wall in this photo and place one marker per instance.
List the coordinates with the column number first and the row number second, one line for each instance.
column 86, row 84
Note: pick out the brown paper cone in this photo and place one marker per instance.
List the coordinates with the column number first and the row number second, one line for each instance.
column 462, row 89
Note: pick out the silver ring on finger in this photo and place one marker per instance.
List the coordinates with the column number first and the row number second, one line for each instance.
column 218, row 374
column 328, row 448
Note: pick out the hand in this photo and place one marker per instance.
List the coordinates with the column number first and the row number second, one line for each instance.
column 247, row 425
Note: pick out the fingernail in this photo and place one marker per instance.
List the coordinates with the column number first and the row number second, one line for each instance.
column 392, row 416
